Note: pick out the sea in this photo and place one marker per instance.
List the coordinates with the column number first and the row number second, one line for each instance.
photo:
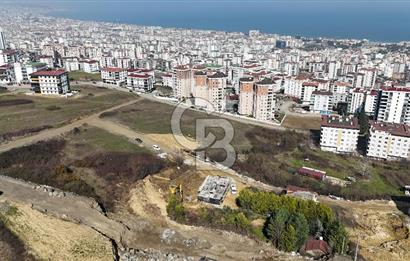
column 377, row 20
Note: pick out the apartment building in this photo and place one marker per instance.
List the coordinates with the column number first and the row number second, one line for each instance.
column 264, row 100
column 393, row 105
column 356, row 100
column 89, row 66
column 246, row 96
column 339, row 134
column 50, row 82
column 321, row 102
column 183, row 78
column 370, row 105
column 22, row 71
column 200, row 90
column 216, row 83
column 140, row 82
column 113, row 75
column 167, row 80
column 390, row 141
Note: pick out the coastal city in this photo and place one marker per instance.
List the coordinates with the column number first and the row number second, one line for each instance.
column 321, row 136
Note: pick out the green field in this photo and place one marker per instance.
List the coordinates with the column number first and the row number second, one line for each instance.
column 153, row 117
column 83, row 76
column 88, row 140
column 54, row 111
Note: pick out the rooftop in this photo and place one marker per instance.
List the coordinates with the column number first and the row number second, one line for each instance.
column 113, row 69
column 49, row 73
column 337, row 121
column 392, row 128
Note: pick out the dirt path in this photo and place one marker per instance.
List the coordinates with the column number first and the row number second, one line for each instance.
column 55, row 132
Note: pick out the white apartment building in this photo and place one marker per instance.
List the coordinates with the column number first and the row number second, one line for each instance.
column 356, row 100
column 140, row 82
column 370, row 105
column 113, row 75
column 307, row 89
column 339, row 134
column 389, row 141
column 47, row 59
column 246, row 96
column 340, row 91
column 394, row 105
column 264, row 100
column 50, row 82
column 183, row 78
column 167, row 80
column 321, row 102
column 293, row 86
column 89, row 66
column 22, row 71
column 369, row 77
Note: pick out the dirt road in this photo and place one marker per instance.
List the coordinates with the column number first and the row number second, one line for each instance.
column 55, row 132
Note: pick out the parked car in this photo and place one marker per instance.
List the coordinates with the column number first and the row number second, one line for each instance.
column 233, row 189
column 156, row 147
column 138, row 140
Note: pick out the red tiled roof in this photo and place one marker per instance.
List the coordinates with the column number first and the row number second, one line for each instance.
column 316, row 244
column 342, row 122
column 142, row 76
column 396, row 89
column 313, row 84
column 392, row 128
column 49, row 73
column 113, row 69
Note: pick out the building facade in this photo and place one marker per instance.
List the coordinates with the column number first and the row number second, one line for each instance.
column 339, row 134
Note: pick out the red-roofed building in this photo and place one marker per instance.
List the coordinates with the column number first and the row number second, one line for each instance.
column 389, row 141
column 113, row 75
column 339, row 134
column 316, row 248
column 50, row 82
column 140, row 82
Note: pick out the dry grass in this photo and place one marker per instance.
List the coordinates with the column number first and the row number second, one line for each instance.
column 49, row 238
column 304, row 123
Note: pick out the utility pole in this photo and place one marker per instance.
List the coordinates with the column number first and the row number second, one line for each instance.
column 357, row 249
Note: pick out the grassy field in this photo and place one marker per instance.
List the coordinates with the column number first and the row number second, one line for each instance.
column 87, row 140
column 305, row 123
column 54, row 111
column 83, row 76
column 152, row 117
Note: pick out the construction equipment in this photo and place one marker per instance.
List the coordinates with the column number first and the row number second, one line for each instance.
column 176, row 190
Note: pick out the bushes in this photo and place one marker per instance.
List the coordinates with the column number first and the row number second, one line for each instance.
column 175, row 209
column 291, row 220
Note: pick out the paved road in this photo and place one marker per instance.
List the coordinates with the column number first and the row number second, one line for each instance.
column 55, row 132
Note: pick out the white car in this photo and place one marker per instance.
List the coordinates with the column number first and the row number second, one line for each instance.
column 156, row 147
column 233, row 189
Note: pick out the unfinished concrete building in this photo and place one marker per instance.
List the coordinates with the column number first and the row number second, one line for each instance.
column 214, row 189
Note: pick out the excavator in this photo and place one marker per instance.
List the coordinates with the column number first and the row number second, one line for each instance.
column 176, row 190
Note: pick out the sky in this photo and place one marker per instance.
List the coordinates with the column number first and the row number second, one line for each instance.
column 379, row 20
